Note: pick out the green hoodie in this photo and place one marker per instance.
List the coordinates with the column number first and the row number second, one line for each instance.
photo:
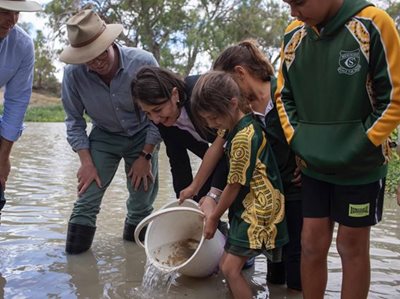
column 338, row 93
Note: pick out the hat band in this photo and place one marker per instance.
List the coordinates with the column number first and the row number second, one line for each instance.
column 87, row 42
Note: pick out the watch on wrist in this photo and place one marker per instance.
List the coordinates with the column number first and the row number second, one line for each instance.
column 147, row 156
column 213, row 196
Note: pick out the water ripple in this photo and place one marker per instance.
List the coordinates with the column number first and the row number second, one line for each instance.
column 41, row 192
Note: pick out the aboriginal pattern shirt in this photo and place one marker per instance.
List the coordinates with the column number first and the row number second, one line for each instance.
column 256, row 216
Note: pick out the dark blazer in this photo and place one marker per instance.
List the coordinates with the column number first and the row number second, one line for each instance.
column 178, row 142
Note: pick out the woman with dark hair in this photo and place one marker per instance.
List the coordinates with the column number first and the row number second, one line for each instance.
column 165, row 98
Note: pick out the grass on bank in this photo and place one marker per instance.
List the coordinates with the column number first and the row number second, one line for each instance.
column 43, row 107
column 50, row 113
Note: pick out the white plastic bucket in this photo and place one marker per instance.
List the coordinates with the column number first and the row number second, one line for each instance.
column 175, row 223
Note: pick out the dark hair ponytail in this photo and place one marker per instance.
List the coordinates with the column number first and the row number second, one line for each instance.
column 246, row 53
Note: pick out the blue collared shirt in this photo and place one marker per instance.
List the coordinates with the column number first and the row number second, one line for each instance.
column 110, row 107
column 17, row 59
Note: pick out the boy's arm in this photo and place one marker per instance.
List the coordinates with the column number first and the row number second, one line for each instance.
column 285, row 103
column 384, row 68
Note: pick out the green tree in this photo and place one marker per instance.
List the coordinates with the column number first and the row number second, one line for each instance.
column 264, row 21
column 181, row 33
column 44, row 71
column 185, row 34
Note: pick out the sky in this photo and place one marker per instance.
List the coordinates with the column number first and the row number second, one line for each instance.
column 30, row 17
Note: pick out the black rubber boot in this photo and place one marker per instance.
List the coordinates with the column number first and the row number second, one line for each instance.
column 129, row 232
column 79, row 238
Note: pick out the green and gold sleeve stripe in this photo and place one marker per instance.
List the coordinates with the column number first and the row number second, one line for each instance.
column 390, row 43
column 288, row 129
column 281, row 91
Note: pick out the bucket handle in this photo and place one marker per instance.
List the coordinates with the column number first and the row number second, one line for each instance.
column 149, row 218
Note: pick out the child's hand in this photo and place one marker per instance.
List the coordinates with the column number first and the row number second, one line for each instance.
column 297, row 177
column 207, row 205
column 210, row 227
column 186, row 193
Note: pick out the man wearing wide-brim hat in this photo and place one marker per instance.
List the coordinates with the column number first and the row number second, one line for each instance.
column 97, row 82
column 17, row 59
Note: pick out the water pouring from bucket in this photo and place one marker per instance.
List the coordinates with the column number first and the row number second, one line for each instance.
column 174, row 240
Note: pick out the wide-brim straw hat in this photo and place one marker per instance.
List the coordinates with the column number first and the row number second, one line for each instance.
column 20, row 5
column 89, row 36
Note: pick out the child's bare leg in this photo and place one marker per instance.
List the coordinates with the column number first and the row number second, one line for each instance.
column 231, row 266
column 314, row 253
column 353, row 247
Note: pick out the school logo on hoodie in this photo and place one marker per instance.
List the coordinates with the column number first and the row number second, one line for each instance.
column 349, row 62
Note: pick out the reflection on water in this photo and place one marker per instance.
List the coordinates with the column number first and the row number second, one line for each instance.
column 41, row 191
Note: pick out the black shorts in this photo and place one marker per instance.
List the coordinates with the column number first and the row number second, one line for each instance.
column 273, row 255
column 353, row 205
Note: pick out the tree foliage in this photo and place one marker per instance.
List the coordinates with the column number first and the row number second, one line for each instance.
column 186, row 35
column 181, row 34
column 44, row 71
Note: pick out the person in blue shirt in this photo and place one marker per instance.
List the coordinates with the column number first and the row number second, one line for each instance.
column 97, row 83
column 17, row 59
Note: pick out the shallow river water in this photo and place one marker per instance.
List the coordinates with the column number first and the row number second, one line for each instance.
column 41, row 191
